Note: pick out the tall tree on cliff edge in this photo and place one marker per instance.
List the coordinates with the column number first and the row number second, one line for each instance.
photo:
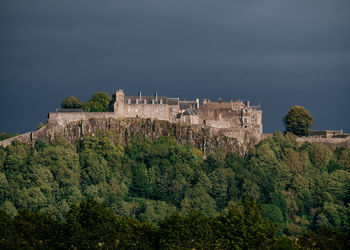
column 298, row 121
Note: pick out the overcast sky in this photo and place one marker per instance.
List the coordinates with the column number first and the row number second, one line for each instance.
column 281, row 53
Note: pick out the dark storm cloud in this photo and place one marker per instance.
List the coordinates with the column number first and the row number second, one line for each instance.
column 281, row 53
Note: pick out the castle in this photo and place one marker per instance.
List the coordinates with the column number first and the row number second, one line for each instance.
column 233, row 119
column 234, row 125
column 207, row 125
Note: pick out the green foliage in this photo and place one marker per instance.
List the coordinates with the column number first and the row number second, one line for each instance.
column 192, row 231
column 71, row 102
column 93, row 225
column 99, row 102
column 300, row 188
column 273, row 213
column 242, row 227
column 298, row 121
column 325, row 238
column 4, row 136
column 30, row 230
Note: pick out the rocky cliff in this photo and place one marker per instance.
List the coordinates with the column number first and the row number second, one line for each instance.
column 204, row 138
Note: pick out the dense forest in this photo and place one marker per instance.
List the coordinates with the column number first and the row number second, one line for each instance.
column 149, row 183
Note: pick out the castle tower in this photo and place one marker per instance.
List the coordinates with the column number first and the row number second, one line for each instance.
column 119, row 103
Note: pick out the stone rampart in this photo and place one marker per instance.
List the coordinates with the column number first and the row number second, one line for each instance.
column 66, row 117
column 333, row 142
column 24, row 138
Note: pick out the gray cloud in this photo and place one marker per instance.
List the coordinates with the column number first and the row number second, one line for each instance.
column 281, row 53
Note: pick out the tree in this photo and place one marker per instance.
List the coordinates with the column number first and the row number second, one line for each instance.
column 92, row 225
column 242, row 227
column 29, row 230
column 192, row 231
column 99, row 102
column 298, row 121
column 4, row 136
column 71, row 102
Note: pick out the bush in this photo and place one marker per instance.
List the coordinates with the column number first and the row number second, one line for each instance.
column 71, row 102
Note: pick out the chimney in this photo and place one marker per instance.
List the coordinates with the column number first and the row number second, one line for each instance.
column 139, row 94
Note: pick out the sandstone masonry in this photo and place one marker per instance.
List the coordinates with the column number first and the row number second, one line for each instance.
column 235, row 119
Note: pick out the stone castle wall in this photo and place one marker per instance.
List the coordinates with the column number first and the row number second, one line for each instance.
column 234, row 119
column 343, row 142
column 141, row 107
column 66, row 117
column 332, row 142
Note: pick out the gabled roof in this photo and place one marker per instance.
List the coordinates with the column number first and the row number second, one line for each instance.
column 190, row 112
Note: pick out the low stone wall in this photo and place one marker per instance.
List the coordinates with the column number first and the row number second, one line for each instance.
column 333, row 142
column 24, row 138
column 67, row 117
column 266, row 135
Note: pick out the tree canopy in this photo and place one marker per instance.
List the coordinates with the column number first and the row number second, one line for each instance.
column 71, row 102
column 298, row 121
column 99, row 102
column 299, row 187
column 92, row 225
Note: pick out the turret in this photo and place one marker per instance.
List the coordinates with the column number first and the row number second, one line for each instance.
column 119, row 103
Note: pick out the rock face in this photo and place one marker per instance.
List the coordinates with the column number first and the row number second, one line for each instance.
column 204, row 138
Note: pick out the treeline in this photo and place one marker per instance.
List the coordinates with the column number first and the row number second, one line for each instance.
column 91, row 225
column 300, row 188
column 99, row 102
